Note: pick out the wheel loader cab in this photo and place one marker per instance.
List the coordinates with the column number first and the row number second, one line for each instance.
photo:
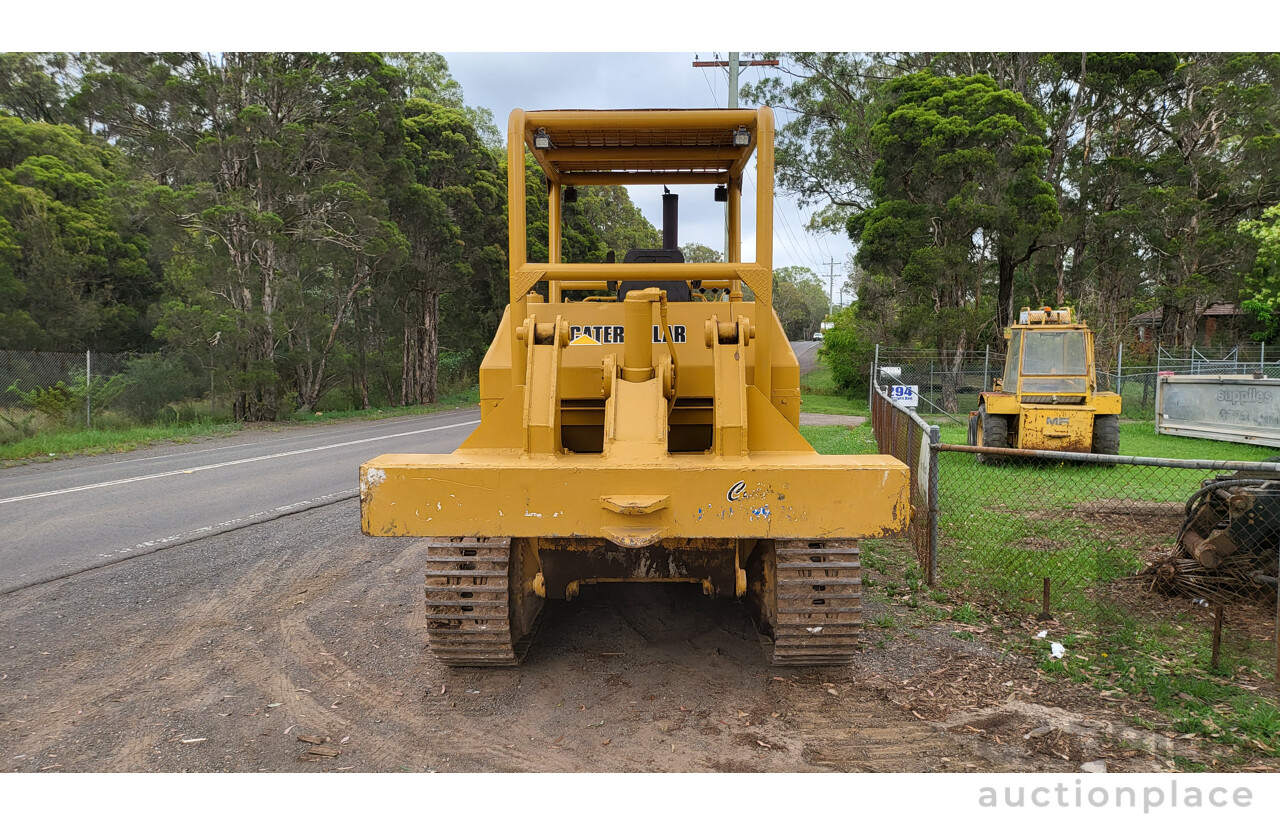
column 1050, row 363
column 643, row 435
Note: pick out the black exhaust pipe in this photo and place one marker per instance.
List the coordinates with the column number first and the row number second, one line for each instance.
column 670, row 219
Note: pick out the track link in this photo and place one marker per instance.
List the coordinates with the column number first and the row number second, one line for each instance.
column 818, row 613
column 468, row 600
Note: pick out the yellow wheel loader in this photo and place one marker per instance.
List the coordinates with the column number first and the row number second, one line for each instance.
column 639, row 420
column 1048, row 398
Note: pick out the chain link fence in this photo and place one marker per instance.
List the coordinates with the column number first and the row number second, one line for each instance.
column 1010, row 519
column 950, row 386
column 1097, row 538
column 904, row 435
column 72, row 387
column 1105, row 539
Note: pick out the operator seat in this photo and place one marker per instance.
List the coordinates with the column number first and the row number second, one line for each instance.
column 676, row 290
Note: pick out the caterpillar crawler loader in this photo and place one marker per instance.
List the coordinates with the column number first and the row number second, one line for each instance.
column 1048, row 398
column 645, row 432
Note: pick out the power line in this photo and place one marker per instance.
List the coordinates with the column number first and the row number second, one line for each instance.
column 735, row 67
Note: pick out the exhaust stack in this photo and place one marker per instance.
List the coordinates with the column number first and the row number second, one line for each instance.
column 670, row 219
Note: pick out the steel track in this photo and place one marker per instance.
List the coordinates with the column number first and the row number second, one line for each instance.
column 818, row 612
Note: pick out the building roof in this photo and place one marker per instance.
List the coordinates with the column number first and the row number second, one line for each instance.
column 1214, row 310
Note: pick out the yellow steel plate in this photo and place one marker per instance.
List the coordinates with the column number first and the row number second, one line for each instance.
column 763, row 496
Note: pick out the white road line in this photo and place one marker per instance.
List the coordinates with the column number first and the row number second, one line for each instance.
column 391, row 422
column 224, row 526
column 190, row 470
column 148, row 547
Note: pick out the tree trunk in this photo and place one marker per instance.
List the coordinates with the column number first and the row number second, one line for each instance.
column 429, row 348
column 951, row 373
column 1170, row 325
column 1004, row 293
column 408, row 373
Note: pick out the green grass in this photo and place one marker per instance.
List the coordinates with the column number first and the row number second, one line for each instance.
column 1005, row 527
column 465, row 398
column 60, row 444
column 833, row 405
column 819, row 394
column 838, row 440
column 1140, row 438
column 94, row 442
column 1166, row 664
column 819, row 382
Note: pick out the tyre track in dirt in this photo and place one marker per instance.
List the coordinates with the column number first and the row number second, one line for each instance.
column 198, row 642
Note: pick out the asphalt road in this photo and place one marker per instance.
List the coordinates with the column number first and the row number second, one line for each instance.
column 807, row 354
column 62, row 517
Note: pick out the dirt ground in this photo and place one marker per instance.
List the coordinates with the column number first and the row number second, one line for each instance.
column 297, row 645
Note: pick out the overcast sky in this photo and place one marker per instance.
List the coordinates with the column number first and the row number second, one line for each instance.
column 501, row 82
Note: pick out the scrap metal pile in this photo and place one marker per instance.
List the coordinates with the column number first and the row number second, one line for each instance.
column 1229, row 543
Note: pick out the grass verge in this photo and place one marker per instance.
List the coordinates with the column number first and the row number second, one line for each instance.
column 118, row 440
column 819, row 394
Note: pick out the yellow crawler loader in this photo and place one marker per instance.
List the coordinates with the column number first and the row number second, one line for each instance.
column 1048, row 398
column 639, row 421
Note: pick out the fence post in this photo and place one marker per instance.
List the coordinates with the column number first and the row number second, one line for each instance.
column 1262, row 359
column 986, row 361
column 875, row 373
column 88, row 390
column 1120, row 370
column 934, row 454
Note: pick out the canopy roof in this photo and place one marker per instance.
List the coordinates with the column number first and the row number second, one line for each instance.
column 622, row 146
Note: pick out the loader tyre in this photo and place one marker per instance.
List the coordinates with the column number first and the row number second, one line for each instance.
column 991, row 431
column 480, row 605
column 806, row 599
column 1106, row 434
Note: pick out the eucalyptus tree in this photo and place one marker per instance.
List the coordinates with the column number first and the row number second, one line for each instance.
column 450, row 210
column 959, row 177
column 1262, row 284
column 35, row 86
column 1216, row 118
column 73, row 268
column 264, row 162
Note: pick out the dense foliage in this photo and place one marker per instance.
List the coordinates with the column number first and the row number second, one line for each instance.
column 293, row 230
column 943, row 166
column 295, row 225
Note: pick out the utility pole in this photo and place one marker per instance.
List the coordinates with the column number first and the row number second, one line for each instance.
column 831, row 274
column 734, row 65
